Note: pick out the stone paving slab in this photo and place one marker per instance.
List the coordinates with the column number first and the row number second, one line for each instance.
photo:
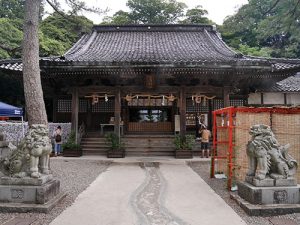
column 192, row 200
column 107, row 200
column 135, row 193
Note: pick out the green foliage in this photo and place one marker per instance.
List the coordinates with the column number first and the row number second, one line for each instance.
column 71, row 144
column 11, row 37
column 113, row 141
column 155, row 11
column 149, row 12
column 271, row 26
column 184, row 143
column 12, row 9
column 120, row 18
column 58, row 34
column 196, row 15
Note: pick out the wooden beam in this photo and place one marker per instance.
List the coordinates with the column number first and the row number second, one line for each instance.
column 75, row 109
column 160, row 89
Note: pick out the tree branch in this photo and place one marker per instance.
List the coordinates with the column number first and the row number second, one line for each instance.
column 56, row 9
column 9, row 49
column 271, row 8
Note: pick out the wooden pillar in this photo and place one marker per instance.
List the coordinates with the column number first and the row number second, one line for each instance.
column 182, row 111
column 54, row 109
column 89, row 116
column 226, row 91
column 117, row 111
column 210, row 114
column 75, row 109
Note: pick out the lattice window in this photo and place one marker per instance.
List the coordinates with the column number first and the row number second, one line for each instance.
column 238, row 102
column 103, row 106
column 64, row 105
column 192, row 106
column 83, row 105
column 218, row 104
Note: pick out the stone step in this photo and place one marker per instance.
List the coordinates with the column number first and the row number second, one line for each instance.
column 96, row 145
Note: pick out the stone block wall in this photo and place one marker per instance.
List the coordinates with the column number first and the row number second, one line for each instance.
column 13, row 130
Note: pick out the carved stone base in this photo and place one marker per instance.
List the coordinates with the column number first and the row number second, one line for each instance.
column 270, row 182
column 25, row 207
column 26, row 180
column 269, row 195
column 265, row 210
column 29, row 193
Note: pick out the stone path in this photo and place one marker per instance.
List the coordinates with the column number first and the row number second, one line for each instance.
column 147, row 193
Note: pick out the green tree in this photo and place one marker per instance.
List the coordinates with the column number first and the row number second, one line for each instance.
column 58, row 33
column 120, row 18
column 270, row 24
column 10, row 38
column 149, row 12
column 12, row 9
column 196, row 15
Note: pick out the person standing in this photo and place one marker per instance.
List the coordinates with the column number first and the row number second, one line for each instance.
column 205, row 135
column 57, row 140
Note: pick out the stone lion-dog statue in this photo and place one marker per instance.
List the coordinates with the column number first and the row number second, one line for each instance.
column 267, row 157
column 31, row 157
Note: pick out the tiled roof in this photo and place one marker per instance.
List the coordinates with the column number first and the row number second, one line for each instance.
column 290, row 84
column 151, row 44
column 172, row 45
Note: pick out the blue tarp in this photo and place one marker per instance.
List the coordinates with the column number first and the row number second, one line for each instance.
column 10, row 111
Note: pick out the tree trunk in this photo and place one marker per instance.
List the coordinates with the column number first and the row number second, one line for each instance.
column 34, row 99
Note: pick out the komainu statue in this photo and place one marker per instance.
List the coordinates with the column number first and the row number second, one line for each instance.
column 31, row 157
column 267, row 157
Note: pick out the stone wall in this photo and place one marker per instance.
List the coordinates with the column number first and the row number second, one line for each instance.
column 13, row 130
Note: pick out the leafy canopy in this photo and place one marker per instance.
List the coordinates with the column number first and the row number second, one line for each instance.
column 271, row 25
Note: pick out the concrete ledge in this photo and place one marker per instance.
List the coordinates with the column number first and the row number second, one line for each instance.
column 265, row 210
column 23, row 208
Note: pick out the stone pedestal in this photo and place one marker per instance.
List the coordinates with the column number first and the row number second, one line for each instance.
column 266, row 201
column 29, row 194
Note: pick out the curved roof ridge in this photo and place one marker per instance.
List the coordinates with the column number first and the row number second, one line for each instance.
column 275, row 60
column 82, row 45
column 152, row 27
column 215, row 46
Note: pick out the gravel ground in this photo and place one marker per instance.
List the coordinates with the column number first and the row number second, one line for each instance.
column 219, row 186
column 75, row 176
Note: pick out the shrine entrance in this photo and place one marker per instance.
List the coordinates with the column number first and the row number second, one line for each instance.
column 150, row 114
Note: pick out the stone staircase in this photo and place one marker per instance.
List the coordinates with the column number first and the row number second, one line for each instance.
column 135, row 145
column 93, row 144
column 149, row 145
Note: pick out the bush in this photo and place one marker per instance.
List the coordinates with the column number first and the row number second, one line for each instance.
column 71, row 144
column 184, row 143
column 113, row 141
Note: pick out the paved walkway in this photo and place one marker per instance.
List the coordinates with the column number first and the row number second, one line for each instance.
column 147, row 193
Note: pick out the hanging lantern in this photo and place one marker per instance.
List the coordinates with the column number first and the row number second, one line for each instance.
column 105, row 98
column 163, row 100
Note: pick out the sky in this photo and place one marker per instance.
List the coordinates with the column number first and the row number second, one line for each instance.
column 217, row 9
